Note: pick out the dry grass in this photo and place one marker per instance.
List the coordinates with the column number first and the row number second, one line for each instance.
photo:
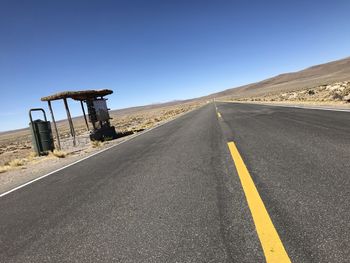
column 17, row 162
column 32, row 155
column 30, row 159
column 4, row 168
column 96, row 144
column 58, row 153
column 13, row 164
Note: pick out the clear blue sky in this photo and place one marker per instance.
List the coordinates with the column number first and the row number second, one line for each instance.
column 156, row 51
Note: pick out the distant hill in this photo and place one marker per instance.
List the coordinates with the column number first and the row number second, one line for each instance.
column 314, row 76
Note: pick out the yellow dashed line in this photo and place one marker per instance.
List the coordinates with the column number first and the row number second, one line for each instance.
column 270, row 241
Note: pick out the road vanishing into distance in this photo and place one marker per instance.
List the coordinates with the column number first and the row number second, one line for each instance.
column 224, row 183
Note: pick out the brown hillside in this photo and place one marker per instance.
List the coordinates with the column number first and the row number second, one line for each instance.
column 308, row 78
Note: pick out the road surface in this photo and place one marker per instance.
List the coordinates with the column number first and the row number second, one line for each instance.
column 174, row 194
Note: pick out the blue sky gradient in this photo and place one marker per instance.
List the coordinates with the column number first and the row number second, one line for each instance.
column 157, row 51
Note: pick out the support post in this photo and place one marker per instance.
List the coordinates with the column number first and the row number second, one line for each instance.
column 72, row 132
column 86, row 122
column 54, row 125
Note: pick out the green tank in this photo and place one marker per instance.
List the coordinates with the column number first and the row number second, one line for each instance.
column 42, row 139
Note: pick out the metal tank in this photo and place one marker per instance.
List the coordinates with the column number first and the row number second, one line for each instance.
column 42, row 139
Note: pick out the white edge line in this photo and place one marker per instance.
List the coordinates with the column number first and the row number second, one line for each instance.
column 291, row 106
column 101, row 151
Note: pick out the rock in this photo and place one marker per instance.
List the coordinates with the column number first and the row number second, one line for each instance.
column 336, row 96
column 346, row 98
column 333, row 87
column 293, row 96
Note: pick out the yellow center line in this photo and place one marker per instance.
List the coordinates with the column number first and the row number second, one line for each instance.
column 270, row 241
column 219, row 115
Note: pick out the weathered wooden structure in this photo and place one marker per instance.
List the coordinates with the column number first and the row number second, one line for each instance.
column 98, row 114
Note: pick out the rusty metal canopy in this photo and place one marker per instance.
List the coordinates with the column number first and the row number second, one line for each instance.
column 78, row 95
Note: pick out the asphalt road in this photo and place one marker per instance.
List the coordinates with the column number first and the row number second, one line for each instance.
column 173, row 194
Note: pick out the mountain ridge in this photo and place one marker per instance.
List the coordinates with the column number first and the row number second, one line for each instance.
column 321, row 74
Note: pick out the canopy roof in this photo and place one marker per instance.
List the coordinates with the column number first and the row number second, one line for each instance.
column 78, row 95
